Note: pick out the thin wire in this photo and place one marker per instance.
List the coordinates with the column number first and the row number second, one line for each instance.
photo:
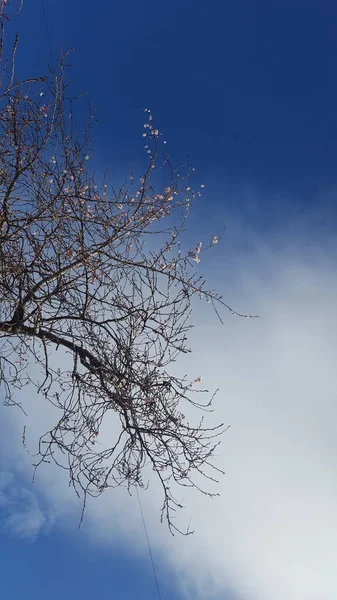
column 47, row 32
column 139, row 502
column 148, row 545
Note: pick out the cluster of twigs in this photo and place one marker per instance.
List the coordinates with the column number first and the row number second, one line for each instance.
column 80, row 272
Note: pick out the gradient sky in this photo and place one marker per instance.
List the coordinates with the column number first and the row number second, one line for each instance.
column 248, row 89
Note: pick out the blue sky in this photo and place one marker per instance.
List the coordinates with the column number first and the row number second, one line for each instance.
column 57, row 566
column 248, row 89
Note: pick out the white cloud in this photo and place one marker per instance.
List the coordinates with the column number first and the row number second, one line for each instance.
column 21, row 513
column 271, row 534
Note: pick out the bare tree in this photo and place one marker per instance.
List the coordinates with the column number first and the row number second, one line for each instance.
column 101, row 274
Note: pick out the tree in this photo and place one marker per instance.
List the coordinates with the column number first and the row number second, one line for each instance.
column 80, row 272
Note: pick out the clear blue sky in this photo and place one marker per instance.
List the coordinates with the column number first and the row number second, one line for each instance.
column 248, row 89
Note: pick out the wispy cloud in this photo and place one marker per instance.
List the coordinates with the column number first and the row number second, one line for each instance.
column 271, row 534
column 20, row 510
